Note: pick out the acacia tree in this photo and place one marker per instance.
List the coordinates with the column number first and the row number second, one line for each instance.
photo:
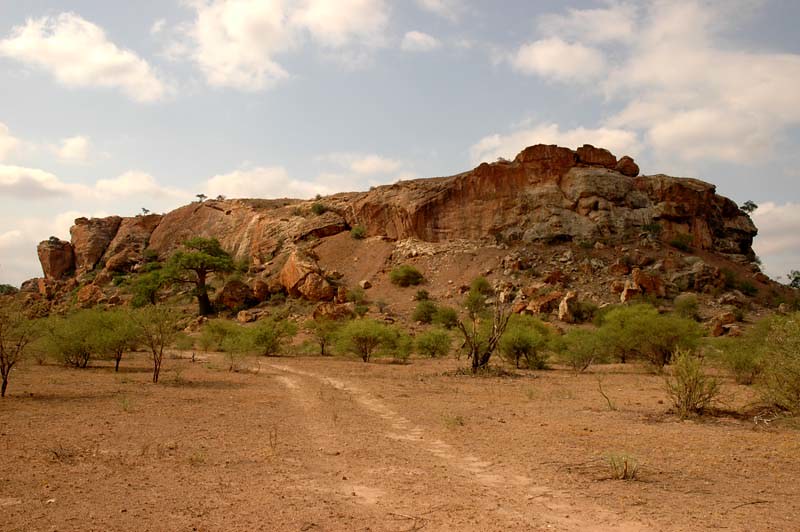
column 480, row 335
column 202, row 257
column 794, row 278
column 117, row 333
column 17, row 332
column 156, row 328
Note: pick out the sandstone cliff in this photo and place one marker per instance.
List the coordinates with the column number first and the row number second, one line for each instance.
column 547, row 194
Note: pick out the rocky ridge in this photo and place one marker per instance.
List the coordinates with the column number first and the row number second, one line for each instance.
column 546, row 196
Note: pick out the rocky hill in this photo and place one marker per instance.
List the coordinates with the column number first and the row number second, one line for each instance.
column 582, row 213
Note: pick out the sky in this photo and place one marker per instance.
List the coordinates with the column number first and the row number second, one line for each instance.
column 109, row 107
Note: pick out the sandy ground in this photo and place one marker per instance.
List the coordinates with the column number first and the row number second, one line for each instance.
column 336, row 444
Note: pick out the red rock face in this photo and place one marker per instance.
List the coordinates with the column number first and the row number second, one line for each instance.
column 90, row 238
column 130, row 240
column 57, row 258
column 546, row 194
column 592, row 156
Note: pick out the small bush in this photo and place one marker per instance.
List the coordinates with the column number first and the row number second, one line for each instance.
column 184, row 342
column 318, row 208
column 584, row 311
column 405, row 275
column 623, row 466
column 524, row 340
column 580, row 348
column 690, row 389
column 361, row 309
column 364, row 338
column 682, row 242
column 271, row 335
column 686, row 306
column 779, row 381
column 639, row 331
column 482, row 286
column 358, row 232
column 446, row 317
column 422, row 295
column 425, row 311
column 434, row 343
column 356, row 295
column 323, row 332
column 748, row 288
column 654, row 228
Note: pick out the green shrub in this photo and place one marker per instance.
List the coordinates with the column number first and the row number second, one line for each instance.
column 405, row 275
column 271, row 335
column 422, row 295
column 639, row 331
column 323, row 332
column 73, row 339
column 214, row 332
column 6, row 289
column 654, row 228
column 434, row 343
column 580, row 348
column 446, row 317
column 779, row 381
column 364, row 338
column 482, row 286
column 425, row 311
column 361, row 309
column 682, row 242
column 748, row 288
column 689, row 388
column 584, row 311
column 356, row 295
column 358, row 232
column 524, row 340
column 184, row 342
column 686, row 306
column 399, row 345
column 318, row 208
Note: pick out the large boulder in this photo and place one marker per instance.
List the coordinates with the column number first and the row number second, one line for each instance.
column 546, row 303
column 89, row 295
column 334, row 311
column 302, row 277
column 627, row 167
column 235, row 295
column 57, row 258
column 648, row 283
column 90, row 239
column 590, row 155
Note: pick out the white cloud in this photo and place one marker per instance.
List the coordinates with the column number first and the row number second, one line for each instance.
column 32, row 183
column 262, row 182
column 492, row 147
column 617, row 22
column 449, row 9
column 158, row 26
column 778, row 240
column 235, row 43
column 683, row 87
column 556, row 59
column 74, row 149
column 365, row 164
column 8, row 144
column 135, row 183
column 78, row 54
column 416, row 41
column 339, row 23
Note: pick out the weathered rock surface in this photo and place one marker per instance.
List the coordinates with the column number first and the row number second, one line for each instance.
column 130, row 240
column 57, row 258
column 567, row 306
column 235, row 294
column 90, row 239
column 546, row 194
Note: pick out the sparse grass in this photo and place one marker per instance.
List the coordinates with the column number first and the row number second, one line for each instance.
column 453, row 421
column 623, row 466
column 126, row 404
column 690, row 389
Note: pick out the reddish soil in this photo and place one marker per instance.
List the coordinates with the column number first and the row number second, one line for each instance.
column 335, row 444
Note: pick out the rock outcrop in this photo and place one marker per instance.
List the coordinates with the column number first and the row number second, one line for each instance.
column 57, row 258
column 547, row 194
column 90, row 240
